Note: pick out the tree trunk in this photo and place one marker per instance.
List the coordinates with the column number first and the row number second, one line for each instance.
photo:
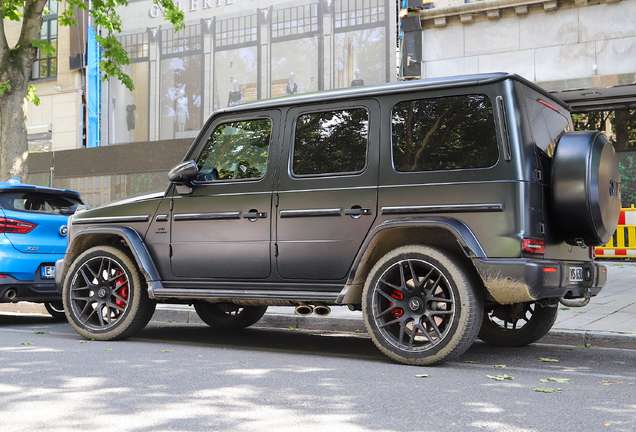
column 13, row 126
column 621, row 129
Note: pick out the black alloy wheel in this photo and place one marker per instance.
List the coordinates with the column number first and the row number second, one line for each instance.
column 420, row 307
column 229, row 316
column 56, row 310
column 104, row 297
column 518, row 324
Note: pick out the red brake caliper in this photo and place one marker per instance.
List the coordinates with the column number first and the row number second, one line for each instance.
column 398, row 296
column 123, row 292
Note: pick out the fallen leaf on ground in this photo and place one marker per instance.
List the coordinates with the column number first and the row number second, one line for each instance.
column 26, row 343
column 500, row 366
column 500, row 377
column 616, row 382
column 543, row 359
column 548, row 390
column 40, row 332
column 559, row 380
column 587, row 345
column 108, row 349
column 471, row 361
column 166, row 350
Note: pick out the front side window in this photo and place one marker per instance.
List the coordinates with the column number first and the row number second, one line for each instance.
column 331, row 142
column 236, row 150
column 449, row 133
column 45, row 66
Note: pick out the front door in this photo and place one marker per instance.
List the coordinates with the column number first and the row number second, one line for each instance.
column 327, row 194
column 222, row 229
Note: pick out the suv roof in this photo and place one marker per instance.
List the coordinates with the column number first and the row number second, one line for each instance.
column 15, row 184
column 379, row 89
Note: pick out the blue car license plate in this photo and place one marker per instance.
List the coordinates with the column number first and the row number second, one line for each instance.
column 48, row 272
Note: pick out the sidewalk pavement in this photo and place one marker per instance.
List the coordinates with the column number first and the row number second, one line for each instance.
column 608, row 321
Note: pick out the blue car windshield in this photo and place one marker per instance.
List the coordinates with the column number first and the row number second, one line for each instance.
column 40, row 202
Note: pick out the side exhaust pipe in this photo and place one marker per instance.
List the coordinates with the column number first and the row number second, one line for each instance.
column 303, row 309
column 322, row 310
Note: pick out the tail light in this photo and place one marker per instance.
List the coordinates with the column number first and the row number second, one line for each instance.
column 12, row 226
column 533, row 246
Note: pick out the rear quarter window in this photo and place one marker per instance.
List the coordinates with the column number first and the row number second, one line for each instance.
column 446, row 133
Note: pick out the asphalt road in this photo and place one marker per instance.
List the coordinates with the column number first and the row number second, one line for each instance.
column 186, row 377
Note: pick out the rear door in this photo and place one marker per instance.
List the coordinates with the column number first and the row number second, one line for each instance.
column 327, row 193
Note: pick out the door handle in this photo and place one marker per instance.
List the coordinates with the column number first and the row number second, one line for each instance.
column 253, row 215
column 356, row 212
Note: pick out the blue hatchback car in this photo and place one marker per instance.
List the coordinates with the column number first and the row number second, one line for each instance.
column 32, row 237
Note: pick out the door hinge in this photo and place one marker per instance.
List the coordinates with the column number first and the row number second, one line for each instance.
column 171, row 204
column 539, row 174
column 276, row 201
column 276, row 249
column 170, row 250
column 542, row 228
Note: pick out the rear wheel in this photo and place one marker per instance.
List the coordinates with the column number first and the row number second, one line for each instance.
column 56, row 309
column 420, row 306
column 104, row 296
column 517, row 325
column 229, row 316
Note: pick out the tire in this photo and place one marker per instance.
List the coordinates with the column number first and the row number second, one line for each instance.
column 517, row 325
column 420, row 306
column 586, row 183
column 104, row 296
column 229, row 316
column 56, row 310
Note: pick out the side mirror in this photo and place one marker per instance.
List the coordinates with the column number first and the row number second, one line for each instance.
column 182, row 174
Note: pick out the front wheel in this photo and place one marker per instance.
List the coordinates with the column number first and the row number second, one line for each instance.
column 421, row 306
column 517, row 325
column 56, row 310
column 229, row 316
column 104, row 297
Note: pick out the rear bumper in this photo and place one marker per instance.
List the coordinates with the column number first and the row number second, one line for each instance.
column 521, row 280
column 13, row 290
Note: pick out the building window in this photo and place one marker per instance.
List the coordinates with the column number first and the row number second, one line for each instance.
column 295, row 20
column 45, row 66
column 351, row 13
column 236, row 31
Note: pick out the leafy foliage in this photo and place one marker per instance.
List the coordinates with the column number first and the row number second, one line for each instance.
column 4, row 86
column 623, row 126
column 31, row 96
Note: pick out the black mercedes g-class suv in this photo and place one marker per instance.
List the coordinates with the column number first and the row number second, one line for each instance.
column 444, row 209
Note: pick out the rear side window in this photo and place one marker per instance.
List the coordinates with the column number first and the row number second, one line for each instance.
column 39, row 202
column 547, row 125
column 332, row 142
column 448, row 133
column 236, row 150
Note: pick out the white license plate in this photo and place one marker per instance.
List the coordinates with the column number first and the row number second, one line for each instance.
column 576, row 274
column 48, row 272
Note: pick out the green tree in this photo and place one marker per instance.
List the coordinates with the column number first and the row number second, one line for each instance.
column 16, row 62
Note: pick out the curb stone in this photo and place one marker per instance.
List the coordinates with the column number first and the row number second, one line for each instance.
column 287, row 321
